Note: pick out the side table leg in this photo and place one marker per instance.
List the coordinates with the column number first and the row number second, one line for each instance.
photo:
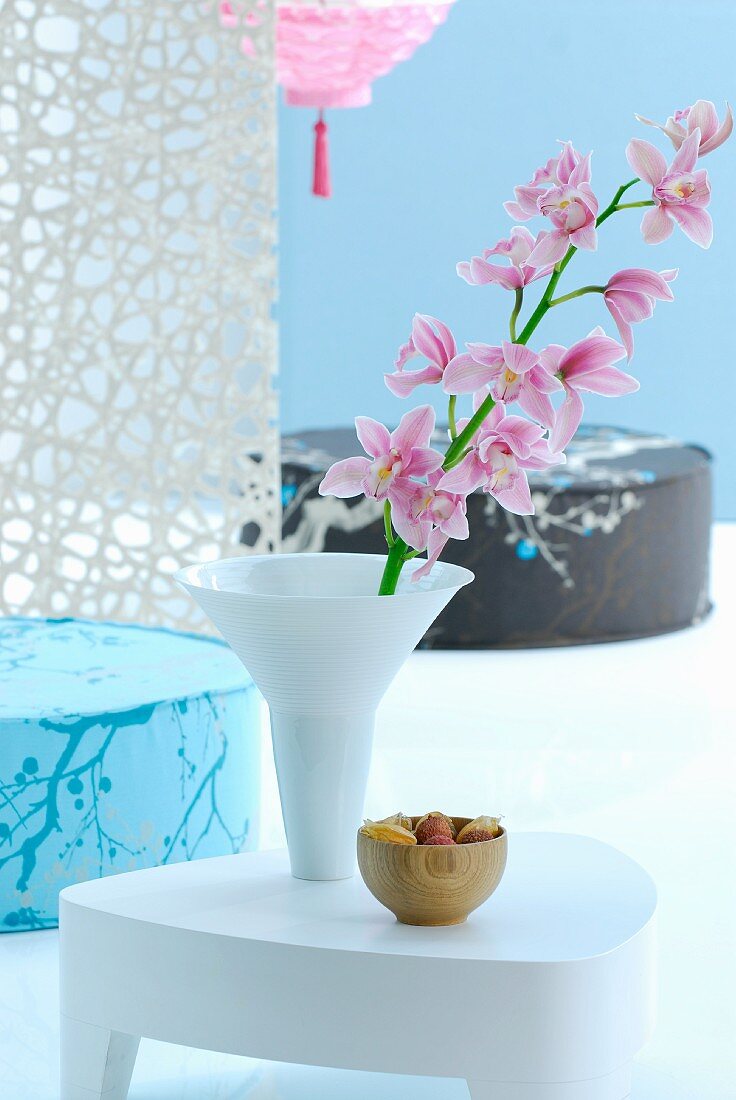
column 96, row 1064
column 614, row 1086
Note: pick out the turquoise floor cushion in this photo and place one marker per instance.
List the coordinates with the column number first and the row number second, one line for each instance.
column 120, row 747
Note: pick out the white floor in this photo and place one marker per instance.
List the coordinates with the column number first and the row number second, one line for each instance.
column 632, row 743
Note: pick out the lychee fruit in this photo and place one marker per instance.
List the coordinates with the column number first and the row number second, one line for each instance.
column 433, row 824
column 438, row 838
column 481, row 828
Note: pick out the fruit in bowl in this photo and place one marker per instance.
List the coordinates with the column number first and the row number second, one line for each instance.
column 437, row 871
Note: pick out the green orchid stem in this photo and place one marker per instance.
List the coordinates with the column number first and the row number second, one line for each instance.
column 399, row 552
column 633, row 205
column 613, row 205
column 451, row 416
column 394, row 565
column 387, row 523
column 516, row 311
column 577, row 294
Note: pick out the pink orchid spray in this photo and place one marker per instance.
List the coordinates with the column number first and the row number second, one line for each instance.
column 424, row 492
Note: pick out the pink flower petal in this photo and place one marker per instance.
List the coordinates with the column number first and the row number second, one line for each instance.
column 456, row 524
column 374, row 438
column 674, row 131
column 722, row 134
column 656, row 225
column 518, row 357
column 426, row 341
column 585, row 238
column 537, row 405
column 567, row 421
column 608, row 382
column 478, row 272
column 345, row 478
column 465, row 374
column 403, row 383
column 446, row 339
column 422, row 461
column 686, row 156
column 541, row 457
column 515, row 496
column 527, row 198
column 435, row 545
column 542, row 380
column 490, row 355
column 704, row 117
column 406, row 352
column 566, row 162
column 643, row 281
column 695, row 223
column 551, row 357
column 549, row 249
column 414, row 532
column 414, row 430
column 625, row 330
column 646, row 160
column 516, row 246
column 465, row 477
column 589, row 354
column 514, row 210
column 581, row 172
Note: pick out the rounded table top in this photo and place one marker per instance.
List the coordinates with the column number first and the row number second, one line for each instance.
column 67, row 667
column 563, row 898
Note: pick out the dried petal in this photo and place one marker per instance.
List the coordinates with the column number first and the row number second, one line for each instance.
column 397, row 819
column 393, row 834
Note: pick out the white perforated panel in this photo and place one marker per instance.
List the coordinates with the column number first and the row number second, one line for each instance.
column 137, row 275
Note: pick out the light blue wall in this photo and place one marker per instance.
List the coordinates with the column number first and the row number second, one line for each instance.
column 419, row 179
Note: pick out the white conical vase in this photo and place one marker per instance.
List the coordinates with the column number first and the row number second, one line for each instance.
column 322, row 648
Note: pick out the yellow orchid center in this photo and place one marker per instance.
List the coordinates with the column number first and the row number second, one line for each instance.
column 387, row 469
column 509, row 376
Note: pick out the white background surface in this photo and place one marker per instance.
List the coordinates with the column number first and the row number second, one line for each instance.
column 632, row 743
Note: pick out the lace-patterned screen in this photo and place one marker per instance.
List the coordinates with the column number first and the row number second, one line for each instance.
column 137, row 276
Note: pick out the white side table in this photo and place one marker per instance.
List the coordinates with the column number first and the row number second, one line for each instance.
column 546, row 993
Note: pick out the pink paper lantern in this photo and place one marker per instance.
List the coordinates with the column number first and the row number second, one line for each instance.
column 329, row 52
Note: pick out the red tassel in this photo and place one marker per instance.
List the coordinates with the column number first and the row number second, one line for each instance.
column 321, row 181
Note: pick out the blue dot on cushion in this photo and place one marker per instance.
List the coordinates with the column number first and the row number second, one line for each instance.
column 526, row 549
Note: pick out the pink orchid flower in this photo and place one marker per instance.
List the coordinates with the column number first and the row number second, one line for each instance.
column 424, row 515
column 585, row 367
column 572, row 209
column 701, row 116
column 513, row 373
column 680, row 192
column 631, row 295
column 555, row 173
column 431, row 339
column 517, row 249
column 502, row 451
column 393, row 458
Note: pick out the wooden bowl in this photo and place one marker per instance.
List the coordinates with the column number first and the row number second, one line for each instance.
column 428, row 884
